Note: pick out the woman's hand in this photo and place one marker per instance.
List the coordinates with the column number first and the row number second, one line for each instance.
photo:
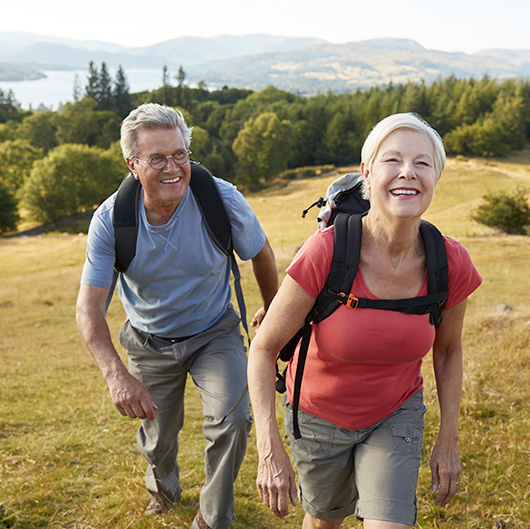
column 276, row 481
column 446, row 470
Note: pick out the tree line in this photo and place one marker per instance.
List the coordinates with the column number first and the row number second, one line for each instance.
column 57, row 163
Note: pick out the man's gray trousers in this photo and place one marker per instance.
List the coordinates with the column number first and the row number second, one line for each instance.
column 217, row 363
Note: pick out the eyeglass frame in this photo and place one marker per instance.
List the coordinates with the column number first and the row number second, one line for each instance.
column 148, row 162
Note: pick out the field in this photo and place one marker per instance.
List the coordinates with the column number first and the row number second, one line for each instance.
column 69, row 460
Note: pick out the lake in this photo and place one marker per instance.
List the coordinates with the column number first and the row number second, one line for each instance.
column 58, row 86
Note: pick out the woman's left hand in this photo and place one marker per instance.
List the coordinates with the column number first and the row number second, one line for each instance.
column 446, row 470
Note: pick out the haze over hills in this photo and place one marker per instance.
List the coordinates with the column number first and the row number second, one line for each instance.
column 303, row 65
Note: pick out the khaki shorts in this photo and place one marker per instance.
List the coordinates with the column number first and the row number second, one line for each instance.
column 372, row 473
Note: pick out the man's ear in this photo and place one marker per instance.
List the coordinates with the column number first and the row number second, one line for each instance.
column 130, row 165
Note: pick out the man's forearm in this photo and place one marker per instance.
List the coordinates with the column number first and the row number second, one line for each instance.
column 266, row 273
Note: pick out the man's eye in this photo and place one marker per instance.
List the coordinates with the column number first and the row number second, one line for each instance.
column 157, row 159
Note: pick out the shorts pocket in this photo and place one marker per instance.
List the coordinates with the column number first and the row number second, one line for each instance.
column 318, row 435
column 407, row 439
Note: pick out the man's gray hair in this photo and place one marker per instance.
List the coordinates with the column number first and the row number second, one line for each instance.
column 150, row 116
column 408, row 121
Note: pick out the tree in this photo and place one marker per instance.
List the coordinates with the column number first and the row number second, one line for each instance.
column 105, row 99
column 122, row 97
column 343, row 141
column 215, row 163
column 7, row 131
column 40, row 129
column 82, row 123
column 70, row 179
column 182, row 91
column 17, row 158
column 200, row 144
column 262, row 148
column 165, row 90
column 8, row 209
column 77, row 90
column 92, row 86
column 9, row 107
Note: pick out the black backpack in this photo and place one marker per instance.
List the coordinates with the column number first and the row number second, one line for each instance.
column 204, row 188
column 344, row 208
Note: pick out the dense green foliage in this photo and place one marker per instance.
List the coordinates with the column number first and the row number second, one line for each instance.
column 71, row 178
column 8, row 209
column 17, row 157
column 508, row 212
column 249, row 137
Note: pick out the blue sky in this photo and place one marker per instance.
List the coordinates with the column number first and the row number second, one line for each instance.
column 445, row 25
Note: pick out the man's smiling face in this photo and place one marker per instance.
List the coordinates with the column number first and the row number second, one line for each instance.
column 163, row 188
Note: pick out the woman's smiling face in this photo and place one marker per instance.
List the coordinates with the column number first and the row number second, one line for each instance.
column 402, row 177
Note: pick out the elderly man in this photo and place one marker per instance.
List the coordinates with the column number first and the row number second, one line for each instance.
column 176, row 295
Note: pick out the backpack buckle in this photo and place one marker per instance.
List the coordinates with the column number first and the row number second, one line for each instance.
column 351, row 301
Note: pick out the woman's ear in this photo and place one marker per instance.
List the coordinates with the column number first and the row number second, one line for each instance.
column 366, row 175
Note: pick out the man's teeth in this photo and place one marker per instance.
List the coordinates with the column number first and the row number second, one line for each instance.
column 171, row 180
column 404, row 192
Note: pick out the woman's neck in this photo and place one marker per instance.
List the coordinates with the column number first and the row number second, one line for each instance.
column 396, row 239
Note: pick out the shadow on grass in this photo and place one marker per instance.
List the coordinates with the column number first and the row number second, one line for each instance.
column 74, row 224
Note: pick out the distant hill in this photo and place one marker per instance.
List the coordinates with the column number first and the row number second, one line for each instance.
column 303, row 65
column 16, row 72
column 45, row 51
column 346, row 67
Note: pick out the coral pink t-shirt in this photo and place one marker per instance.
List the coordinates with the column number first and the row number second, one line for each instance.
column 363, row 364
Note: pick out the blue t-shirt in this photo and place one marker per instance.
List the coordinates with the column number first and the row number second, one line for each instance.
column 178, row 283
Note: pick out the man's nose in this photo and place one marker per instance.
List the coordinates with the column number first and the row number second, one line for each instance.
column 171, row 164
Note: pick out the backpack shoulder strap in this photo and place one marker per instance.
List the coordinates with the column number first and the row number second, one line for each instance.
column 125, row 222
column 212, row 207
column 437, row 270
column 344, row 266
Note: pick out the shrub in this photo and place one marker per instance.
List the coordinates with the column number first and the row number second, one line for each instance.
column 8, row 209
column 508, row 212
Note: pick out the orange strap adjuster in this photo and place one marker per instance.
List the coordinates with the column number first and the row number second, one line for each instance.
column 352, row 302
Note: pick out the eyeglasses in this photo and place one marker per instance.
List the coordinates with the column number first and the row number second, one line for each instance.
column 159, row 161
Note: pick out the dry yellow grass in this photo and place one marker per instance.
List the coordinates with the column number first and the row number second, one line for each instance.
column 69, row 460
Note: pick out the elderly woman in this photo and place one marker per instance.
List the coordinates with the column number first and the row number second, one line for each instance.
column 361, row 410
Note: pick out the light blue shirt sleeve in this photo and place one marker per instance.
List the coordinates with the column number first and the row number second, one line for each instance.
column 98, row 269
column 247, row 233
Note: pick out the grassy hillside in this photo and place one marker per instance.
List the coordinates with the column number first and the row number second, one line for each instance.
column 69, row 460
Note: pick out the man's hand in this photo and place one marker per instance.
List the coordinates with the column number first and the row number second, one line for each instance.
column 258, row 317
column 131, row 397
